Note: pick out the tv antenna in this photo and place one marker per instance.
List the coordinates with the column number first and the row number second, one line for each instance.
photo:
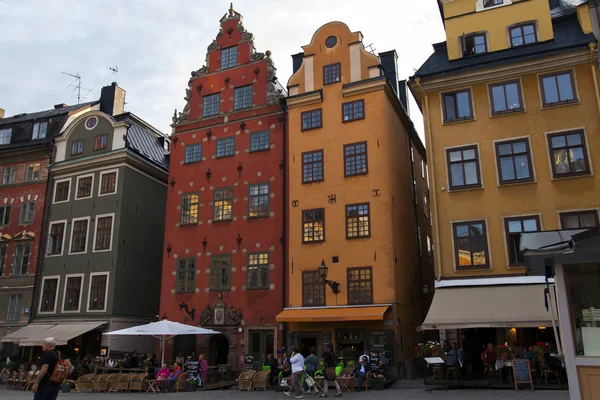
column 115, row 72
column 76, row 85
column 370, row 49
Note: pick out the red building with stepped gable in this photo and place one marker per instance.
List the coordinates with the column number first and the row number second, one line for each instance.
column 223, row 259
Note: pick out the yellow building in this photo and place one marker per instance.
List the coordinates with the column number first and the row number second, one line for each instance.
column 352, row 220
column 511, row 104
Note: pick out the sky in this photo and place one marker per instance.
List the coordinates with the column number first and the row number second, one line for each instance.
column 157, row 43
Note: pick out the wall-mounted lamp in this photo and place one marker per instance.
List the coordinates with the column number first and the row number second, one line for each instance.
column 204, row 244
column 239, row 240
column 240, row 167
column 208, row 175
column 323, row 270
column 169, row 248
column 425, row 289
column 243, row 126
column 172, row 183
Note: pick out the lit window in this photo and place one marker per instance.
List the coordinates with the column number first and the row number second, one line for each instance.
column 223, row 204
column 470, row 245
column 568, row 154
column 258, row 200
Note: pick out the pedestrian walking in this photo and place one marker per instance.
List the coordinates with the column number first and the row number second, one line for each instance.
column 297, row 362
column 43, row 387
column 329, row 359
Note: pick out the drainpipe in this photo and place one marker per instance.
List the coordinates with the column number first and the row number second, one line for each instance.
column 432, row 193
column 594, row 73
column 419, row 243
column 284, row 109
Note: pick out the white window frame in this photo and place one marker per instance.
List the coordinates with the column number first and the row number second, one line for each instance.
column 3, row 131
column 108, row 171
column 77, row 187
column 36, row 135
column 87, row 234
column 64, row 299
column 55, row 296
column 105, row 291
column 112, row 230
column 27, row 165
column 62, row 221
column 56, row 185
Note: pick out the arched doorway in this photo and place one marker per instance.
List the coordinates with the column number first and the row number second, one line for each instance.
column 219, row 346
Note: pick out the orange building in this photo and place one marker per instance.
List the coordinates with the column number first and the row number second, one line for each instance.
column 353, row 260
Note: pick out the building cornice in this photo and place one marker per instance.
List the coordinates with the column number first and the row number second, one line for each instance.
column 305, row 99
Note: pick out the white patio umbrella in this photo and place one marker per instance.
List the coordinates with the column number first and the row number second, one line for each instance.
column 163, row 330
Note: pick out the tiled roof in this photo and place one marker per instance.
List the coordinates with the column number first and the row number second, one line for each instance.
column 567, row 36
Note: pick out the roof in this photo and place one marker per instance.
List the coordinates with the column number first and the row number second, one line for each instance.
column 567, row 36
column 145, row 140
column 22, row 125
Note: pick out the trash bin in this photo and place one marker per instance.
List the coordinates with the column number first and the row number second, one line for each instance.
column 410, row 369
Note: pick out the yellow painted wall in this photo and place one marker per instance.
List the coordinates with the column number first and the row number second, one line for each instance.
column 589, row 382
column 461, row 18
column 583, row 16
column 545, row 196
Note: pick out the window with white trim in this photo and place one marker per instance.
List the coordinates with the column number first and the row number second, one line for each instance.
column 72, row 293
column 98, row 286
column 33, row 172
column 56, row 238
column 48, row 301
column 21, row 259
column 39, row 130
column 13, row 309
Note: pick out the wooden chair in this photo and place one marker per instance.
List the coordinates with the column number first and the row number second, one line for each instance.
column 120, row 383
column 180, row 383
column 261, row 380
column 245, row 380
column 546, row 371
column 347, row 383
column 138, row 382
column 96, row 382
column 83, row 382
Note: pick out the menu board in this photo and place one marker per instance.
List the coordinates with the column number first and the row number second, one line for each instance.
column 522, row 373
column 249, row 362
column 191, row 368
column 379, row 341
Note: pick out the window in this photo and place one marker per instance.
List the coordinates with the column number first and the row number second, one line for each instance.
column 77, row 147
column 98, row 289
column 186, row 275
column 425, row 205
column 225, row 147
column 49, row 288
column 4, row 215
column 522, row 34
column 353, row 110
column 506, row 97
column 229, row 57
column 312, row 119
column 332, row 74
column 568, row 154
column 514, row 227
column 79, row 236
column 108, row 182
column 514, row 161
column 470, row 245
column 56, row 238
column 258, row 200
column 72, row 295
column 21, row 259
column 473, row 44
column 5, row 135
column 223, row 204
column 193, row 153
column 312, row 166
column 13, row 311
column 583, row 299
column 419, row 241
column 360, row 285
column 422, row 168
column 9, row 176
column 62, row 190
column 313, row 225
column 3, row 251
column 100, row 142
column 27, row 213
column 259, row 141
column 313, row 289
column 39, row 130
column 358, row 221
column 84, row 186
column 558, row 89
column 491, row 3
column 257, row 271
column 579, row 219
column 457, row 106
column 33, row 172
column 189, row 208
column 210, row 105
column 242, row 97
column 463, row 168
column 220, row 272
column 355, row 159
column 103, row 235
column 429, row 247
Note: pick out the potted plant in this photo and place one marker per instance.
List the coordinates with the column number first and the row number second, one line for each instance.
column 378, row 380
column 504, row 351
column 190, row 385
column 430, row 349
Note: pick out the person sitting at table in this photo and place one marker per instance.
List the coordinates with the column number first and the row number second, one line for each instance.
column 203, row 368
column 361, row 371
column 273, row 365
column 174, row 376
column 162, row 376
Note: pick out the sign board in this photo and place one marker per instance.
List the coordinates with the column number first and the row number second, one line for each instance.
column 434, row 360
column 522, row 373
column 374, row 360
column 249, row 361
column 191, row 368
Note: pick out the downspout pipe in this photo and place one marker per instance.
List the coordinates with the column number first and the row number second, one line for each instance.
column 284, row 115
column 433, row 192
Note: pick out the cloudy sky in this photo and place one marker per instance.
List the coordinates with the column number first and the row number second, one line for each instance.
column 157, row 43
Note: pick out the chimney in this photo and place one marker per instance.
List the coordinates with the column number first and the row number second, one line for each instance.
column 389, row 62
column 61, row 105
column 112, row 99
column 1, row 113
column 297, row 61
column 403, row 95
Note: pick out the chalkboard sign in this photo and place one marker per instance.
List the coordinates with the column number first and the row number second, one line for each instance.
column 522, row 373
column 249, row 362
column 191, row 368
column 374, row 360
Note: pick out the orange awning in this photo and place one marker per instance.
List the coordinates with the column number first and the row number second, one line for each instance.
column 333, row 314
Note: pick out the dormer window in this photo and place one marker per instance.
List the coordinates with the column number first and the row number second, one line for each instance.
column 523, row 34
column 474, row 43
column 332, row 74
column 39, row 130
column 5, row 136
column 492, row 3
column 229, row 57
column 100, row 142
column 77, row 148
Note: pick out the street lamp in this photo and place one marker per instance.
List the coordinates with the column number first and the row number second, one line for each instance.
column 323, row 270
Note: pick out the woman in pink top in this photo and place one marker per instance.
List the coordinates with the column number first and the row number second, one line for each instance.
column 203, row 368
column 163, row 375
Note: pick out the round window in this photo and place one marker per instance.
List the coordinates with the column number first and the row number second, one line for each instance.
column 91, row 122
column 331, row 41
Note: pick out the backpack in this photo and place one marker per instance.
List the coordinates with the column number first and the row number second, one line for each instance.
column 61, row 370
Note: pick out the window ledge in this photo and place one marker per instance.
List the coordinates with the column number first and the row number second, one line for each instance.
column 259, row 150
column 188, row 224
column 511, row 112
column 314, row 242
column 572, row 176
column 226, row 156
column 465, row 189
column 459, row 121
column 216, row 221
column 356, row 175
column 358, row 237
column 517, row 183
column 311, row 182
column 311, row 129
column 192, row 162
column 560, row 104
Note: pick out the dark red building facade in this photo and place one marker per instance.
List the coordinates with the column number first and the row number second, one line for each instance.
column 223, row 259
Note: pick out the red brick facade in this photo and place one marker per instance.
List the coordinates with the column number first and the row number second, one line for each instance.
column 224, row 224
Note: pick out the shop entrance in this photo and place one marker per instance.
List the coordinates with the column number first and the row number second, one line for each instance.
column 305, row 343
column 219, row 349
column 261, row 343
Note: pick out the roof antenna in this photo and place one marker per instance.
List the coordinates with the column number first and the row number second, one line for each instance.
column 76, row 85
column 115, row 72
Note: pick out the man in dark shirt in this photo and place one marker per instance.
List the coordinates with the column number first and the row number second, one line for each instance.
column 273, row 364
column 43, row 388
